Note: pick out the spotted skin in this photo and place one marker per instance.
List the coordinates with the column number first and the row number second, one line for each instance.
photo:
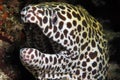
column 85, row 56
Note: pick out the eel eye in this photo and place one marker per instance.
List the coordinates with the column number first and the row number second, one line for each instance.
column 54, row 19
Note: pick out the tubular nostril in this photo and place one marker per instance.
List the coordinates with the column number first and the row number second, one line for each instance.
column 21, row 50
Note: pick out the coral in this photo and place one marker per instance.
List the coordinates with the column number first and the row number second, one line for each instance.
column 6, row 37
column 114, row 71
column 9, row 24
column 14, row 4
column 3, row 76
column 7, row 72
column 10, row 30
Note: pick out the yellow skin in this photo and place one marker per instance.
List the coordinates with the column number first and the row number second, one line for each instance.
column 85, row 56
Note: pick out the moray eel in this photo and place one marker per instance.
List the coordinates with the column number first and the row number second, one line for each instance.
column 85, row 54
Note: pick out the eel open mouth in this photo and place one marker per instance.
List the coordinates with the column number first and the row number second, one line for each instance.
column 36, row 39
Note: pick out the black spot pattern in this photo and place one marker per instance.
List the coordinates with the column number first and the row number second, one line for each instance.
column 71, row 29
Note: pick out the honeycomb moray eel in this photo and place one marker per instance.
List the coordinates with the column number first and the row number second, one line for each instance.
column 85, row 53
